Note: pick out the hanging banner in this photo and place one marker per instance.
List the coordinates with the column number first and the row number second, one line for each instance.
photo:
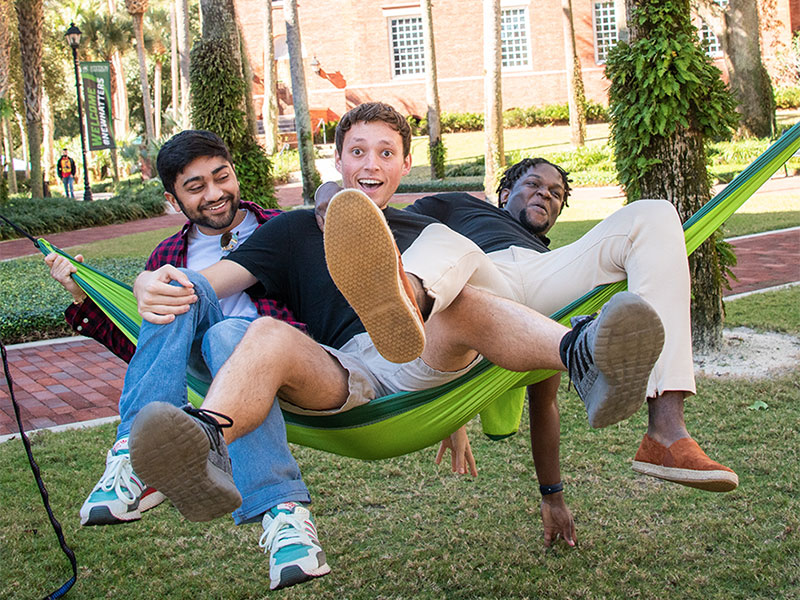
column 96, row 81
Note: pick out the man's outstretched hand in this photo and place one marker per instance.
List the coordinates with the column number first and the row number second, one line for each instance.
column 322, row 198
column 557, row 520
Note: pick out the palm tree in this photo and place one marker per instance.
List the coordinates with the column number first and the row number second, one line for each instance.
column 494, row 156
column 302, row 118
column 137, row 8
column 269, row 109
column 184, row 45
column 156, row 45
column 30, row 20
column 575, row 94
column 435, row 145
column 5, row 104
column 122, row 122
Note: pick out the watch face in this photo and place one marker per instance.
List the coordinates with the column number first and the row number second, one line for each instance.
column 228, row 241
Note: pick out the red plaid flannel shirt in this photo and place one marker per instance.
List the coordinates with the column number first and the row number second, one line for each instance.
column 87, row 318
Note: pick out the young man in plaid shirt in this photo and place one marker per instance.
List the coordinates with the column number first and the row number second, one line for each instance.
column 195, row 168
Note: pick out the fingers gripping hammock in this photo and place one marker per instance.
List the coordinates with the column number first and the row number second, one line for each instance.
column 408, row 421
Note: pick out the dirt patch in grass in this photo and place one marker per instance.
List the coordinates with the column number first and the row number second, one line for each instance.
column 749, row 353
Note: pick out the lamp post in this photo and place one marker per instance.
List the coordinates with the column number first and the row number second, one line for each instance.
column 73, row 37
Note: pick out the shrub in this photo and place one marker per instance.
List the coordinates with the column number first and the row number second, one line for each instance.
column 787, row 97
column 52, row 215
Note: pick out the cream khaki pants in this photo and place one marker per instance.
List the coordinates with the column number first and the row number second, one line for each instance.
column 642, row 242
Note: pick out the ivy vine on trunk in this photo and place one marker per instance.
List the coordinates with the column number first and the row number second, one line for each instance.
column 666, row 100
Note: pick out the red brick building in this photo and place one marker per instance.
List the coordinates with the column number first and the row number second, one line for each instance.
column 361, row 50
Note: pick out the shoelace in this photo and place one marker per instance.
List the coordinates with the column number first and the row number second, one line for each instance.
column 209, row 417
column 277, row 526
column 119, row 477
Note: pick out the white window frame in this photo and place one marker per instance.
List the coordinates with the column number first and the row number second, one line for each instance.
column 409, row 71
column 707, row 34
column 608, row 32
column 522, row 54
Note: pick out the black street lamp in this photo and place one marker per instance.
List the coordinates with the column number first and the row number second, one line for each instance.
column 73, row 36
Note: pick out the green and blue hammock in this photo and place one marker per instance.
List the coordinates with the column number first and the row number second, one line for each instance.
column 409, row 421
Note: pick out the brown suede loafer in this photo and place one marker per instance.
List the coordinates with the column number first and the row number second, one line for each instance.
column 683, row 462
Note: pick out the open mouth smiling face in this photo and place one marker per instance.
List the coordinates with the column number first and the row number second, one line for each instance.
column 372, row 160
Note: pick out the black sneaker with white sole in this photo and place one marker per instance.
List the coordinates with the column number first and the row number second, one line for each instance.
column 609, row 357
column 185, row 457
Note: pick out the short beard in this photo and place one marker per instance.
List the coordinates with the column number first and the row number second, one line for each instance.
column 220, row 222
column 535, row 229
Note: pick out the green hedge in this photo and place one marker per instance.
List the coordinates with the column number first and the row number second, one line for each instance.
column 52, row 215
column 787, row 97
column 34, row 303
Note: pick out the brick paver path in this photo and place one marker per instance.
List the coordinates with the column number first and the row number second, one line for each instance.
column 78, row 380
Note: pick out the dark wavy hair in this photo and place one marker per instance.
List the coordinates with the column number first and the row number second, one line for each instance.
column 514, row 172
column 182, row 148
column 369, row 112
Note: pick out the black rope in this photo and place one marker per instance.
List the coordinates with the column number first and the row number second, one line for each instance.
column 20, row 230
column 42, row 490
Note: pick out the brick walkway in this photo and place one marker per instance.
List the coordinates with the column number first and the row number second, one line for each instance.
column 77, row 380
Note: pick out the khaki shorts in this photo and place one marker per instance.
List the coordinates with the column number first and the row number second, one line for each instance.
column 371, row 376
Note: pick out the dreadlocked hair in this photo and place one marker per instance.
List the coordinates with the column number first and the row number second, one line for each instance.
column 514, row 172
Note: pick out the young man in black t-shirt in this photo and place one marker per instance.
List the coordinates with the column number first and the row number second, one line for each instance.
column 340, row 368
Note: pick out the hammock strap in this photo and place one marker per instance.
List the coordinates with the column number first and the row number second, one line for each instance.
column 42, row 490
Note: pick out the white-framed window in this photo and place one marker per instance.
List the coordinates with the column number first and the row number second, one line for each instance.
column 604, row 23
column 514, row 37
column 707, row 35
column 408, row 47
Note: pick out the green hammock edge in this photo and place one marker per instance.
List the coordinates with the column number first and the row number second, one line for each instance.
column 410, row 421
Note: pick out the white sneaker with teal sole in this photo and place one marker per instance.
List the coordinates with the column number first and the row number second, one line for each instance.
column 120, row 496
column 291, row 539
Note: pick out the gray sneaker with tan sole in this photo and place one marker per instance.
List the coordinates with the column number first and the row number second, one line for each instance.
column 181, row 452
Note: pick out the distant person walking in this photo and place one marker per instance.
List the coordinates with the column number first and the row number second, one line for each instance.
column 66, row 171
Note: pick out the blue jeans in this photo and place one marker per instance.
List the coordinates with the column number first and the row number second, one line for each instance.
column 69, row 191
column 264, row 469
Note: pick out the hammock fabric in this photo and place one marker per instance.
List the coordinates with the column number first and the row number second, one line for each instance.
column 409, row 421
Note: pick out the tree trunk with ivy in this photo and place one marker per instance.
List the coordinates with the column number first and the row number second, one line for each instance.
column 5, row 101
column 436, row 151
column 575, row 93
column 269, row 109
column 30, row 20
column 302, row 118
column 494, row 156
column 666, row 99
column 218, row 100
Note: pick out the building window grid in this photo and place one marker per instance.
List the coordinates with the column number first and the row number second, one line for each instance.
column 408, row 50
column 714, row 48
column 605, row 29
column 514, row 37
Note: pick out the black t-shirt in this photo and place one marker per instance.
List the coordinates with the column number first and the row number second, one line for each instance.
column 287, row 256
column 490, row 227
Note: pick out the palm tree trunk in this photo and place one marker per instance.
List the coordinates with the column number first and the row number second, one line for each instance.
column 435, row 148
column 269, row 109
column 30, row 21
column 494, row 156
column 173, row 60
column 24, row 141
column 184, row 46
column 302, row 118
column 12, row 172
column 148, row 110
column 48, row 162
column 157, row 99
column 575, row 93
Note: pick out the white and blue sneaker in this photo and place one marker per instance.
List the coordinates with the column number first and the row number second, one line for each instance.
column 291, row 539
column 120, row 496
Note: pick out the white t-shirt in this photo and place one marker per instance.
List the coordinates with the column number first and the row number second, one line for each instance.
column 205, row 250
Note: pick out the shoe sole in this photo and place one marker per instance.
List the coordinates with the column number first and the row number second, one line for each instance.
column 628, row 341
column 169, row 450
column 364, row 263
column 710, row 481
column 295, row 574
column 102, row 515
